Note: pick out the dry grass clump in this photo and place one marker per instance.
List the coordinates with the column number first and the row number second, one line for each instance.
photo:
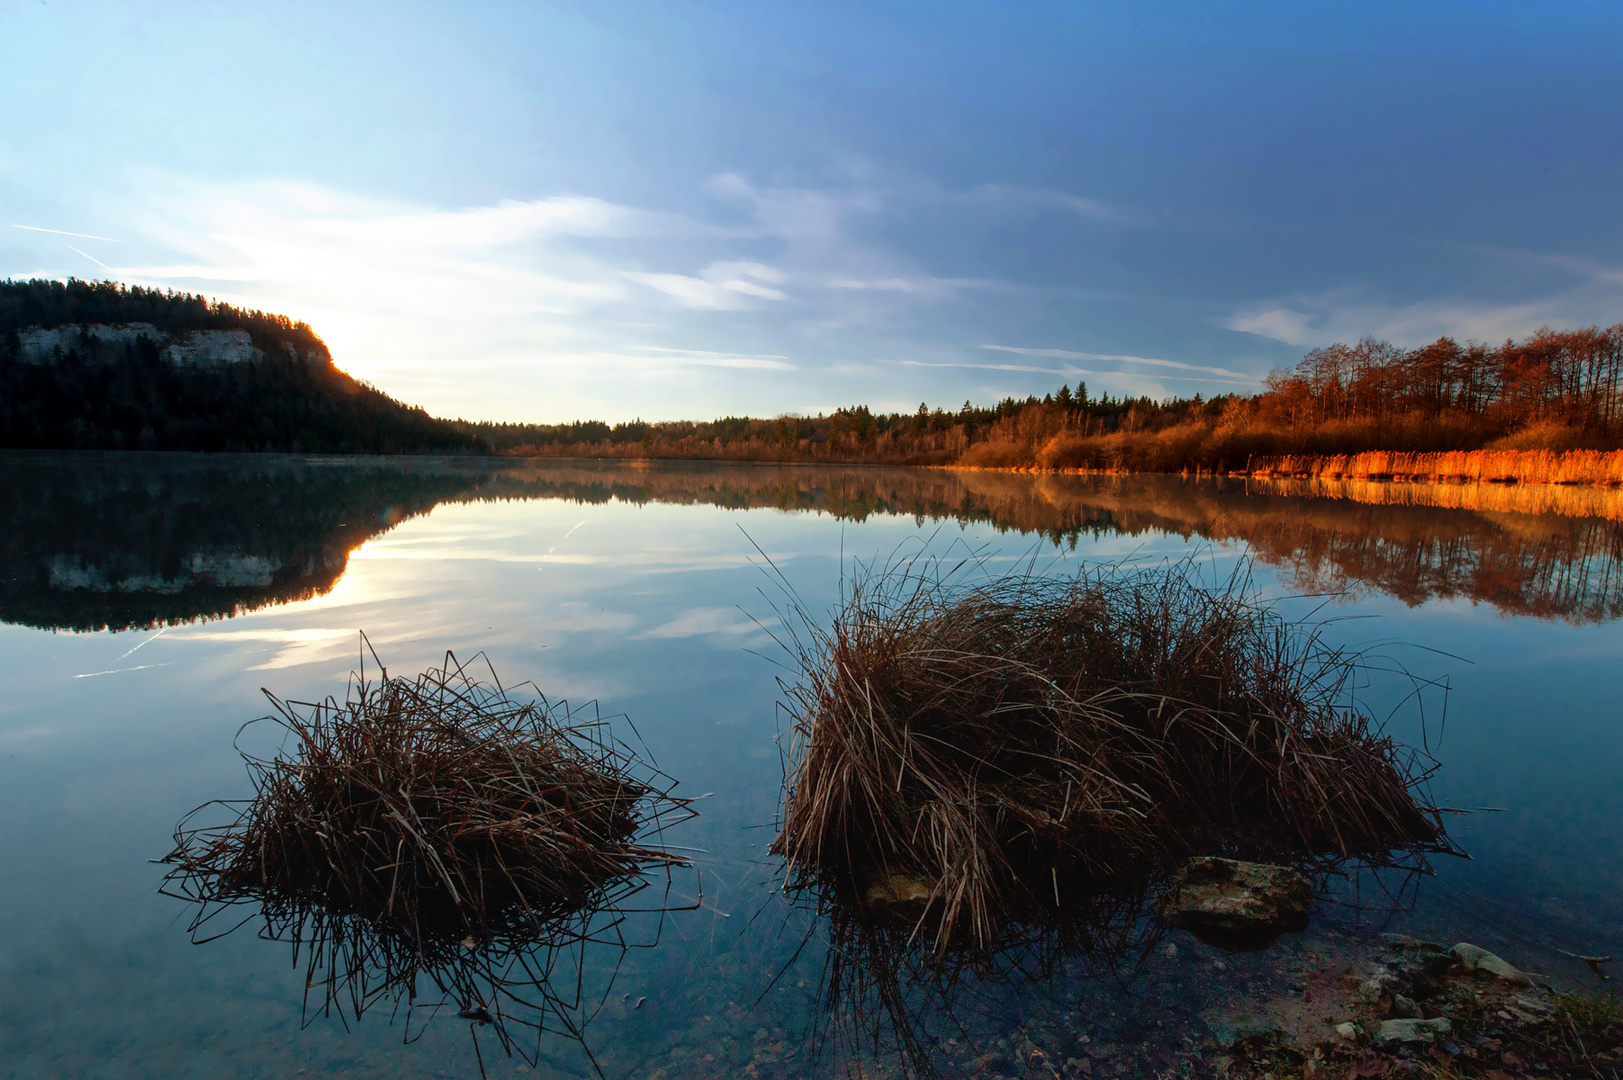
column 437, row 832
column 1002, row 751
column 440, row 828
column 435, row 805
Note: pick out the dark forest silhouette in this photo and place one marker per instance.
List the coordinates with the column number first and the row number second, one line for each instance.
column 125, row 395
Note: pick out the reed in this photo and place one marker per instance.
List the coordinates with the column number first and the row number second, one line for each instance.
column 1474, row 466
column 998, row 753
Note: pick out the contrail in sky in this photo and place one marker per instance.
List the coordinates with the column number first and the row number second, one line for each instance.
column 92, row 258
column 59, row 232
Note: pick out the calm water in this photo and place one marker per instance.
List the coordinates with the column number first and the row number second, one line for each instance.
column 146, row 600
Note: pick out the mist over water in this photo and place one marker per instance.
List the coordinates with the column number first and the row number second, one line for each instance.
column 147, row 598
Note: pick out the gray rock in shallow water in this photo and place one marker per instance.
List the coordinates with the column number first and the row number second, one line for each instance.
column 1377, row 991
column 1230, row 1028
column 1410, row 968
column 1238, row 905
column 1412, row 1030
column 1475, row 958
column 1535, row 1005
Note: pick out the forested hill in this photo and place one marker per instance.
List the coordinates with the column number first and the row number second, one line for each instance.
column 97, row 365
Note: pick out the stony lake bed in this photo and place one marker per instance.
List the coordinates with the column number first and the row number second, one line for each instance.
column 148, row 598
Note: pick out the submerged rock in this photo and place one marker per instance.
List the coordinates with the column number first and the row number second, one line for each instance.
column 1236, row 905
column 1228, row 1028
column 1475, row 958
column 900, row 889
column 1413, row 1030
column 1409, row 970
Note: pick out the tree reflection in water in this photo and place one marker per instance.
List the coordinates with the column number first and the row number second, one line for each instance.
column 1547, row 551
column 134, row 540
column 95, row 542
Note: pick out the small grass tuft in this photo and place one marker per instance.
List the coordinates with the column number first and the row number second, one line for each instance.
column 1597, row 1014
column 440, row 826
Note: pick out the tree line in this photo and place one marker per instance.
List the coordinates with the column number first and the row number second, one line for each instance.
column 1556, row 389
column 854, row 434
column 1566, row 376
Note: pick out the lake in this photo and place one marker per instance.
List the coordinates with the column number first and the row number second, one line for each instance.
column 147, row 599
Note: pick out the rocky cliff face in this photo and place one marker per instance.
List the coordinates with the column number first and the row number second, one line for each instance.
column 101, row 343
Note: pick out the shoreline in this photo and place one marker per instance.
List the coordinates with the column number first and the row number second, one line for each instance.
column 1395, row 1005
column 1559, row 468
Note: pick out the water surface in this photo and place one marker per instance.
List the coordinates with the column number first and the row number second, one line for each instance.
column 146, row 599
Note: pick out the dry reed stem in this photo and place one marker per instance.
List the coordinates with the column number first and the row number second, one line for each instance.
column 1022, row 745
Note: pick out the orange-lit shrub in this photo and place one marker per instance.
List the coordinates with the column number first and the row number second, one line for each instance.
column 998, row 455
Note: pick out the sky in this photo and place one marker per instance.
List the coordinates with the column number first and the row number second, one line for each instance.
column 555, row 211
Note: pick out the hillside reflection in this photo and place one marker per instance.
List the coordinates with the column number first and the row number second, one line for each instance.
column 142, row 540
column 120, row 541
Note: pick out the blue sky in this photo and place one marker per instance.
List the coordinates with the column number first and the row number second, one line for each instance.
column 552, row 211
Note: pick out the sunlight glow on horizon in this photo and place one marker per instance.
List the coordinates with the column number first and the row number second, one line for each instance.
column 556, row 212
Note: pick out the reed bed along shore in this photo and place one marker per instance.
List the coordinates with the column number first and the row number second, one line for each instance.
column 1565, row 500
column 1460, row 466
column 438, row 826
column 1554, row 467
column 982, row 755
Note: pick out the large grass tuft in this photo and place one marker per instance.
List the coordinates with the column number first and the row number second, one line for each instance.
column 1004, row 751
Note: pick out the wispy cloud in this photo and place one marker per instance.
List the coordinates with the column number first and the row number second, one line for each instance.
column 698, row 352
column 1408, row 324
column 1345, row 314
column 895, row 284
column 716, row 360
column 513, row 310
column 1027, row 197
column 720, row 286
column 1072, row 370
column 707, row 358
column 1066, row 354
column 1281, row 324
